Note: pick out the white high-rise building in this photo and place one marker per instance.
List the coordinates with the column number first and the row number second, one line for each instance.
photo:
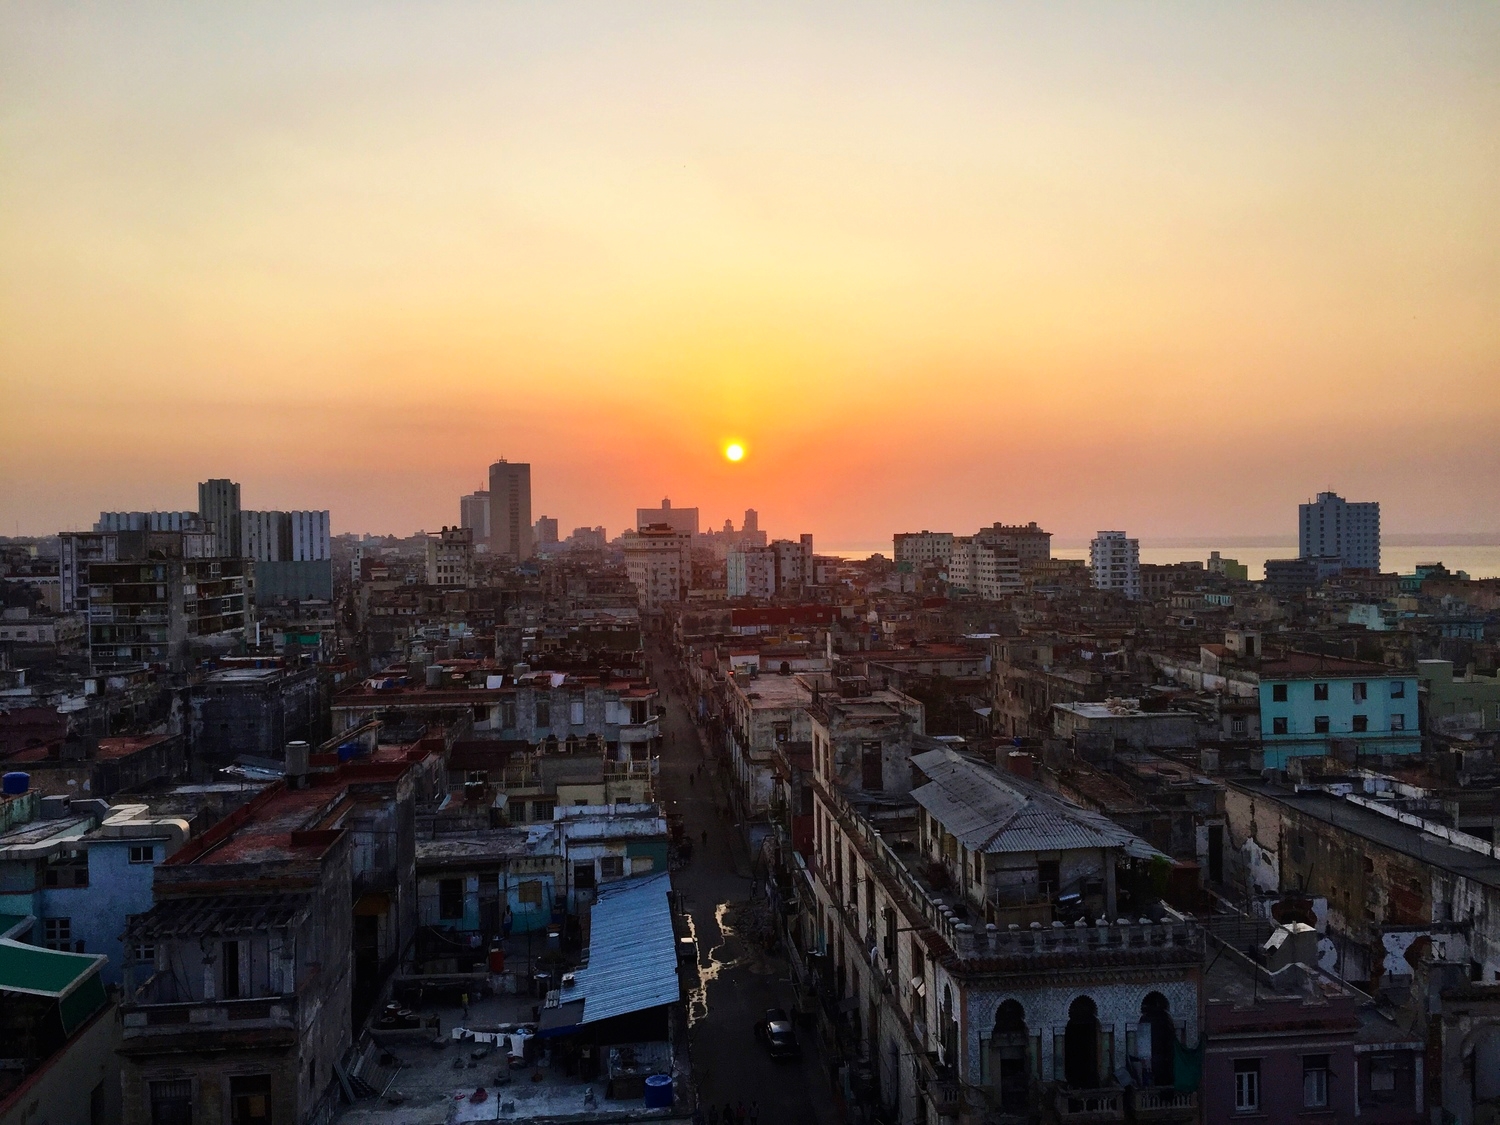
column 1115, row 562
column 659, row 564
column 920, row 547
column 1331, row 527
column 310, row 536
column 511, row 534
column 983, row 570
column 285, row 536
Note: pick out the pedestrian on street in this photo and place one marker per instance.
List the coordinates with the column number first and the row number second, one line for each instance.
column 755, row 1113
column 739, row 1112
column 713, row 1114
column 728, row 1118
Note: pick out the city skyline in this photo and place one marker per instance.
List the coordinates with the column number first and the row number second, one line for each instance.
column 1168, row 272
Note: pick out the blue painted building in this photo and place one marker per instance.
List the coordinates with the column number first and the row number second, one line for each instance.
column 1308, row 702
column 80, row 869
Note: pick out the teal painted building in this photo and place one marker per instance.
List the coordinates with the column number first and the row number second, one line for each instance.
column 1310, row 702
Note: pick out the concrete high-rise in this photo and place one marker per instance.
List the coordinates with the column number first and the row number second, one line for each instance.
column 1331, row 527
column 1115, row 563
column 678, row 519
column 511, row 533
column 219, row 502
column 474, row 513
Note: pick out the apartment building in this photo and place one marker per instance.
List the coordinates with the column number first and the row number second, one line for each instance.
column 1115, row 563
column 1332, row 527
column 450, row 558
column 918, row 548
column 969, row 941
column 982, row 570
column 659, row 564
column 1310, row 704
column 162, row 611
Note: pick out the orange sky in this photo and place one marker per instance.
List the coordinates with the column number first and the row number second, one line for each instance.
column 936, row 264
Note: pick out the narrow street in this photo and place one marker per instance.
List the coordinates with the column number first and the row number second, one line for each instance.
column 737, row 981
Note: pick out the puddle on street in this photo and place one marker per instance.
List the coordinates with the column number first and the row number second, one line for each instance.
column 710, row 967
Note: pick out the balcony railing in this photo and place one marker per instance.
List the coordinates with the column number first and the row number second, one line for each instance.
column 941, row 1087
column 204, row 1016
column 1162, row 1103
column 1089, row 1107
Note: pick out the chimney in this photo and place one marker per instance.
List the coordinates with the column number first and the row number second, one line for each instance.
column 296, row 764
column 1021, row 764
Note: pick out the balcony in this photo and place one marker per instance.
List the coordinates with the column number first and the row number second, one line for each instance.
column 276, row 1014
column 940, row 1085
column 1162, row 1103
column 1089, row 1107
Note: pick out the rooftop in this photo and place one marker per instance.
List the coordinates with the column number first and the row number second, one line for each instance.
column 1386, row 831
column 1300, row 665
column 278, row 824
column 991, row 814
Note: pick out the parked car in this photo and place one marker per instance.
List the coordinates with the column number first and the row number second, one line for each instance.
column 777, row 1033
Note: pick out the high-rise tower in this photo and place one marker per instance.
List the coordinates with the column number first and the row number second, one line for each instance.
column 510, row 510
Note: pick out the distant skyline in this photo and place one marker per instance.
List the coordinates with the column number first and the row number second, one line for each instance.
column 1170, row 270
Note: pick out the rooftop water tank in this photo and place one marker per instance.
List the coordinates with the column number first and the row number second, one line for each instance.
column 15, row 783
column 659, row 1091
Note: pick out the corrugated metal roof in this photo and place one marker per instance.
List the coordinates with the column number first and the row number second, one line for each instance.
column 991, row 814
column 632, row 962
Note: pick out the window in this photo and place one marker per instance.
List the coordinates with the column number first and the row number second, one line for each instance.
column 142, row 853
column 1360, row 723
column 171, row 1102
column 529, row 892
column 583, row 876
column 1320, row 692
column 250, row 1100
column 143, row 951
column 1278, row 725
column 1361, row 692
column 231, row 952
column 871, row 768
column 1398, row 722
column 1315, row 1081
column 1246, row 1085
column 612, row 866
column 1278, row 693
column 783, row 732
column 543, row 712
column 1048, row 876
column 58, row 933
column 543, row 810
column 450, row 899
column 1398, row 689
column 1237, row 726
column 1320, row 724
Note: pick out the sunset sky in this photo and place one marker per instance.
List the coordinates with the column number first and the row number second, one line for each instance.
column 1167, row 268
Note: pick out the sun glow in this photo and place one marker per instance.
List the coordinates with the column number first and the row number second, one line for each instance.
column 734, row 451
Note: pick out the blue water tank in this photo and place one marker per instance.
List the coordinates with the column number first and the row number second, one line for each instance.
column 15, row 783
column 659, row 1091
column 348, row 750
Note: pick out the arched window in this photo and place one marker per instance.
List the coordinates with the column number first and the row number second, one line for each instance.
column 1155, row 1039
column 1081, row 1045
column 1010, row 1068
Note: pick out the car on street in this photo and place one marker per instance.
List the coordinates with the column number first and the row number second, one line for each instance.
column 778, row 1035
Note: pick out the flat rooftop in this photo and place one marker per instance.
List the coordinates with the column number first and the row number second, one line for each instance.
column 1366, row 824
column 281, row 824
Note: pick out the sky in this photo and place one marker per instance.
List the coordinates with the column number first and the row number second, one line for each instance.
column 1166, row 268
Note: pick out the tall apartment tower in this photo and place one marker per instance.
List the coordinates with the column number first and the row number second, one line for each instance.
column 219, row 501
column 1331, row 527
column 474, row 513
column 1115, row 563
column 510, row 510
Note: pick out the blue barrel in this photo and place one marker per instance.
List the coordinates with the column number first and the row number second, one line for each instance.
column 15, row 783
column 348, row 750
column 659, row 1091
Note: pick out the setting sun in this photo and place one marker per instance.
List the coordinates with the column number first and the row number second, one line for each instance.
column 734, row 451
